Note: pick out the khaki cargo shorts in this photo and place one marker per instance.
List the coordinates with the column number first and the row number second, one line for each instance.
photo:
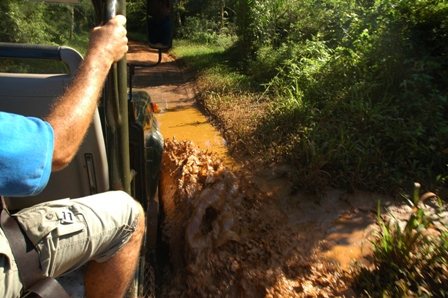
column 70, row 232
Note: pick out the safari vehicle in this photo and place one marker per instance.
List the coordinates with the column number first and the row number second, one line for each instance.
column 123, row 146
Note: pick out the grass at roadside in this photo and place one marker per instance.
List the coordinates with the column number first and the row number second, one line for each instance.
column 410, row 257
column 311, row 116
column 225, row 92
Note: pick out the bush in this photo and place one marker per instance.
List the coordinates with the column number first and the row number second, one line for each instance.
column 363, row 105
column 352, row 94
column 410, row 261
column 205, row 31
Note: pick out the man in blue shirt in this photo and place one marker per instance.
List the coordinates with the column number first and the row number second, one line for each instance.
column 25, row 166
column 108, row 227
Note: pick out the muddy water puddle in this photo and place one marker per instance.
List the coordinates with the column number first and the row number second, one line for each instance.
column 342, row 242
column 340, row 234
column 190, row 124
column 236, row 234
column 337, row 226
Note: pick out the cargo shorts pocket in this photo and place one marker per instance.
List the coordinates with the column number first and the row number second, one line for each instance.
column 42, row 219
column 46, row 224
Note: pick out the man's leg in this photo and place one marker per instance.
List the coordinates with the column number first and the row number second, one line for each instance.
column 112, row 278
column 105, row 229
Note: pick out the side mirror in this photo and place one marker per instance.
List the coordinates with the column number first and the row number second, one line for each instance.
column 159, row 23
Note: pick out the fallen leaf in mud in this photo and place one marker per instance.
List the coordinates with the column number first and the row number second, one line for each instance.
column 227, row 239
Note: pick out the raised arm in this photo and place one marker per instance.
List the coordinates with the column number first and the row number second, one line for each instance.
column 72, row 113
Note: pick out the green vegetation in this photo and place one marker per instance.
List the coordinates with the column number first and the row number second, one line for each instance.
column 409, row 261
column 352, row 94
column 35, row 22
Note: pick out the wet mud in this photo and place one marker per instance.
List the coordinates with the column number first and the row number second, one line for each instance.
column 235, row 228
column 227, row 239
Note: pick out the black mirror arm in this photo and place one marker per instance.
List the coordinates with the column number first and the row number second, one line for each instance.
column 132, row 67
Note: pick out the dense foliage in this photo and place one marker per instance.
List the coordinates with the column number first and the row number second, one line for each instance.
column 36, row 22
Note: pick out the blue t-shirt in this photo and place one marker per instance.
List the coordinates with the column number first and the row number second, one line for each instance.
column 26, row 152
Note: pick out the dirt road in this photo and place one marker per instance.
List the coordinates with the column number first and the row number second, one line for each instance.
column 244, row 233
column 169, row 86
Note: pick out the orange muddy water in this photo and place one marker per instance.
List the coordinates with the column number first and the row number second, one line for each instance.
column 235, row 228
column 191, row 124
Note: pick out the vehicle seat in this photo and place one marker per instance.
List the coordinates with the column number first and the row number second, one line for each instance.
column 32, row 95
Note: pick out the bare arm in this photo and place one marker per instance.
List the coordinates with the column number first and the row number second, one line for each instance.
column 72, row 113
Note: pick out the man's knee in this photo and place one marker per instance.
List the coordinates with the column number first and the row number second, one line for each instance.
column 140, row 229
column 139, row 217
